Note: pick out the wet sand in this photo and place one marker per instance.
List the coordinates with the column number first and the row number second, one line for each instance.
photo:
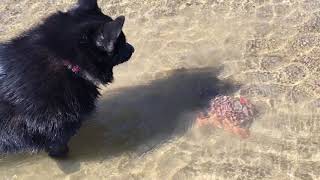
column 187, row 52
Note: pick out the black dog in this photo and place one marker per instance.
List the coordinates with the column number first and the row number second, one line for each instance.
column 49, row 77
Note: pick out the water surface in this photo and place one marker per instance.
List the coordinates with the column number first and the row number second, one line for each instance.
column 186, row 52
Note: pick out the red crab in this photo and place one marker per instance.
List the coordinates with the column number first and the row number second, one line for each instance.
column 232, row 114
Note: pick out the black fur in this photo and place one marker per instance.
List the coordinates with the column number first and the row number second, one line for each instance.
column 42, row 102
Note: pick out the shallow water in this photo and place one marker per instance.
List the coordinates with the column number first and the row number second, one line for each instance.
column 186, row 52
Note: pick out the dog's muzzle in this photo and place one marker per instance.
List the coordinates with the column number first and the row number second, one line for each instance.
column 124, row 54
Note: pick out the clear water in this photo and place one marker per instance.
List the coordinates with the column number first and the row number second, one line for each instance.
column 186, row 51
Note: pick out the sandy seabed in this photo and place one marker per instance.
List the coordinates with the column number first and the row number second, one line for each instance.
column 186, row 52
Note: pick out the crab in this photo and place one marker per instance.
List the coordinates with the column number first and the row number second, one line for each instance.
column 232, row 114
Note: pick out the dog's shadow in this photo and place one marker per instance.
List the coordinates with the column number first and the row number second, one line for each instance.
column 137, row 119
column 142, row 117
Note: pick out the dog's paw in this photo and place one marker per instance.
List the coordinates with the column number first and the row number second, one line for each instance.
column 58, row 151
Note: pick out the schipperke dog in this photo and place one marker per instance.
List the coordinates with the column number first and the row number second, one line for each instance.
column 49, row 77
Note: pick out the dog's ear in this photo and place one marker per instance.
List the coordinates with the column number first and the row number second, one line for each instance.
column 110, row 33
column 87, row 4
column 113, row 29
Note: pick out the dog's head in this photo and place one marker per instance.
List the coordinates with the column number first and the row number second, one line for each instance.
column 100, row 42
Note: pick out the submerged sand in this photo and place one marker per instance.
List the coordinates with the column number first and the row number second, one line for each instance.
column 187, row 52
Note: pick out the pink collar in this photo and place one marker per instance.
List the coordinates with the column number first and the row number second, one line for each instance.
column 81, row 73
column 74, row 68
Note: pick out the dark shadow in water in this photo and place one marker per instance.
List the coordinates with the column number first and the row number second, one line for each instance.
column 147, row 115
column 137, row 119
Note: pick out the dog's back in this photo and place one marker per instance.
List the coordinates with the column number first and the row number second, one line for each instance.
column 49, row 75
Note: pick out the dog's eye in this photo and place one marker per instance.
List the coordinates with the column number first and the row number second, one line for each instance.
column 99, row 44
column 109, row 48
column 99, row 41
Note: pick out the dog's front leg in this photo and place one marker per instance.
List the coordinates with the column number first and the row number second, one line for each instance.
column 57, row 150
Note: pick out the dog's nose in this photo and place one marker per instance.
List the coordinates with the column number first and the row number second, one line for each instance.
column 130, row 48
column 125, row 53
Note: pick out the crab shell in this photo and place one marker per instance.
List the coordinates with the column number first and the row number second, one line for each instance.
column 234, row 115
